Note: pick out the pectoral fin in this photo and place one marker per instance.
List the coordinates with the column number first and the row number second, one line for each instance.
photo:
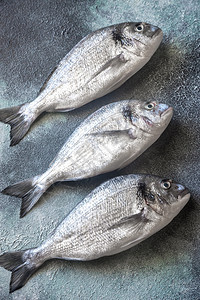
column 136, row 221
column 117, row 133
column 116, row 61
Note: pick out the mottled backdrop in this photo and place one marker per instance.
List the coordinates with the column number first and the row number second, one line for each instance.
column 34, row 36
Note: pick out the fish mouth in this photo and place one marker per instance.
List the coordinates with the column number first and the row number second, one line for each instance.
column 184, row 193
column 166, row 111
column 158, row 32
column 184, row 197
column 157, row 38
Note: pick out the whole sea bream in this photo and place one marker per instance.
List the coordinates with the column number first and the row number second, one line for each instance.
column 97, row 65
column 117, row 215
column 109, row 139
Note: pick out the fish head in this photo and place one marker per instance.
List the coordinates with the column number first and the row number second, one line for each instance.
column 142, row 36
column 164, row 197
column 152, row 117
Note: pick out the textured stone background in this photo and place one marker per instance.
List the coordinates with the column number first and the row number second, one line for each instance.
column 34, row 36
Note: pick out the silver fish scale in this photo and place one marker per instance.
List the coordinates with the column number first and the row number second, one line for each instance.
column 78, row 70
column 97, row 65
column 90, row 229
column 107, row 140
column 114, row 217
column 84, row 152
column 106, row 118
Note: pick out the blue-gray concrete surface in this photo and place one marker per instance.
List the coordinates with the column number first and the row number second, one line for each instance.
column 34, row 36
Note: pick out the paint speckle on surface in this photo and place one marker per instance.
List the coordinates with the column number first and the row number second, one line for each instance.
column 35, row 35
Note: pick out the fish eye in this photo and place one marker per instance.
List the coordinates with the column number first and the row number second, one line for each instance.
column 139, row 27
column 149, row 106
column 166, row 185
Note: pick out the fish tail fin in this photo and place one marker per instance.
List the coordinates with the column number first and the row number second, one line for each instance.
column 20, row 266
column 19, row 121
column 29, row 190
